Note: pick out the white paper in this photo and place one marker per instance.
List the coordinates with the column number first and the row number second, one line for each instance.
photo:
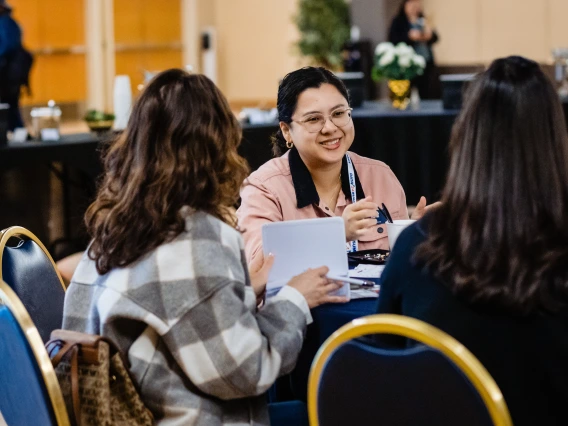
column 301, row 244
column 364, row 294
column 366, row 271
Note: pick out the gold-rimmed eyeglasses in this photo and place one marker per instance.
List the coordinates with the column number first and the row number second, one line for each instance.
column 313, row 123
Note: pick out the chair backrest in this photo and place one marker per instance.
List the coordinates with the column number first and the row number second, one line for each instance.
column 438, row 381
column 30, row 393
column 30, row 271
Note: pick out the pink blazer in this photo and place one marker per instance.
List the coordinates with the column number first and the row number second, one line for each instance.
column 277, row 192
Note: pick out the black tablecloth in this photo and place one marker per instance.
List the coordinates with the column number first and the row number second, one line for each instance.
column 413, row 143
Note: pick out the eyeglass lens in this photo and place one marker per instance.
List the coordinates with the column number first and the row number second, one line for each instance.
column 315, row 123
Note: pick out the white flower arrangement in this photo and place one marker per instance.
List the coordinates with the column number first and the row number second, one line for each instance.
column 398, row 62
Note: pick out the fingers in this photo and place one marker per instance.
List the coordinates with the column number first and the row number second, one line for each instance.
column 256, row 262
column 261, row 265
column 332, row 286
column 268, row 263
column 433, row 206
column 335, row 299
column 321, row 271
column 363, row 205
column 422, row 203
column 363, row 214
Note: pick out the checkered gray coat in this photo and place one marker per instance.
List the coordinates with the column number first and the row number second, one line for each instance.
column 185, row 317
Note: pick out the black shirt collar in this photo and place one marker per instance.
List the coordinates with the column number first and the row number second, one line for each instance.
column 305, row 188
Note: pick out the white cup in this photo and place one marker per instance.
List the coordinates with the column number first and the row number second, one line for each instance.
column 394, row 229
column 122, row 98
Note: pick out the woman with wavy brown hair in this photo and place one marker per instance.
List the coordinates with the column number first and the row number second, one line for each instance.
column 490, row 265
column 165, row 277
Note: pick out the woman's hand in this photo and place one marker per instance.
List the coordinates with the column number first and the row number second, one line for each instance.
column 359, row 217
column 415, row 35
column 421, row 208
column 315, row 287
column 258, row 271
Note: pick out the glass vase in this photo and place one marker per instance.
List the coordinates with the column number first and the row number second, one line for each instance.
column 399, row 93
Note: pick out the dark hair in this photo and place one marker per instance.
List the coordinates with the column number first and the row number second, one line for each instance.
column 289, row 90
column 179, row 149
column 500, row 236
column 402, row 13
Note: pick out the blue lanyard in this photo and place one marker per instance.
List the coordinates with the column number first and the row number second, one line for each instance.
column 353, row 245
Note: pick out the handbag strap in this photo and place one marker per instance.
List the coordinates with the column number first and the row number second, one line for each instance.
column 73, row 348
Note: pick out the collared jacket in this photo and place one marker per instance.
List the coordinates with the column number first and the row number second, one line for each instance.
column 185, row 317
column 283, row 189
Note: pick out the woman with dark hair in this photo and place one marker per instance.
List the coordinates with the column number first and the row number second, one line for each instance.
column 317, row 176
column 489, row 266
column 411, row 27
column 165, row 276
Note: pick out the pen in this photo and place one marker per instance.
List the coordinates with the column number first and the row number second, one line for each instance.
column 355, row 281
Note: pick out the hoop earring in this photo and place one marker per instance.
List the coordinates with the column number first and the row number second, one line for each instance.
column 289, row 145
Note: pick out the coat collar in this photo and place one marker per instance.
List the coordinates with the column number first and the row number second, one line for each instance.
column 305, row 188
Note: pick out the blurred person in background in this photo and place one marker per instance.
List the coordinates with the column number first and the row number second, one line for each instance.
column 411, row 27
column 10, row 44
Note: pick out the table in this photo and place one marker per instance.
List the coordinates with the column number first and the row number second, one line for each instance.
column 327, row 319
column 413, row 143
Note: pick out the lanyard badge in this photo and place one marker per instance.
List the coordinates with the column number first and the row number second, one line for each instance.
column 353, row 245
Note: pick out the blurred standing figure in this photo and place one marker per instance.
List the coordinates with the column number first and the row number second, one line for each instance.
column 410, row 26
column 10, row 44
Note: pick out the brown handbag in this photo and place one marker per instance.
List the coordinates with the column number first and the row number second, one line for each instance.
column 96, row 385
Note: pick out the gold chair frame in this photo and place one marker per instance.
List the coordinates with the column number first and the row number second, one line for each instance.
column 424, row 333
column 12, row 301
column 19, row 232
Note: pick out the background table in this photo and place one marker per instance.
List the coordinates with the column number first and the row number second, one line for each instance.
column 327, row 319
column 413, row 143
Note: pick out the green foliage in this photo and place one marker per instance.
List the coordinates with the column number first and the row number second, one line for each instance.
column 324, row 28
column 94, row 115
column 395, row 72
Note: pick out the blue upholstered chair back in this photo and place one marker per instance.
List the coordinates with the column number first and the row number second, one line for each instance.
column 30, row 272
column 23, row 395
column 364, row 385
column 436, row 382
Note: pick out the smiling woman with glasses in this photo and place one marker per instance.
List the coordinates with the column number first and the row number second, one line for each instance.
column 314, row 175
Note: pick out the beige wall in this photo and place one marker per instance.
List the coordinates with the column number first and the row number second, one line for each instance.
column 478, row 31
column 255, row 45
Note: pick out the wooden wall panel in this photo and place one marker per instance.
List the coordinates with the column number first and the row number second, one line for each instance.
column 557, row 14
column 459, row 38
column 256, row 47
column 478, row 31
column 513, row 27
column 141, row 24
column 128, row 21
column 62, row 23
column 27, row 14
column 162, row 21
column 54, row 24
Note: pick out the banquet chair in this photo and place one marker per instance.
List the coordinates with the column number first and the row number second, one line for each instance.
column 30, row 393
column 437, row 381
column 29, row 270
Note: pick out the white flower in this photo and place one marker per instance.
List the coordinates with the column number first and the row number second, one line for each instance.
column 402, row 49
column 419, row 60
column 387, row 58
column 383, row 48
column 405, row 61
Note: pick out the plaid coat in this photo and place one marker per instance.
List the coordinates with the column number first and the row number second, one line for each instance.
column 185, row 317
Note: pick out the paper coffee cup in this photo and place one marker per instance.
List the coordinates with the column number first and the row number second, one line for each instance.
column 394, row 229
